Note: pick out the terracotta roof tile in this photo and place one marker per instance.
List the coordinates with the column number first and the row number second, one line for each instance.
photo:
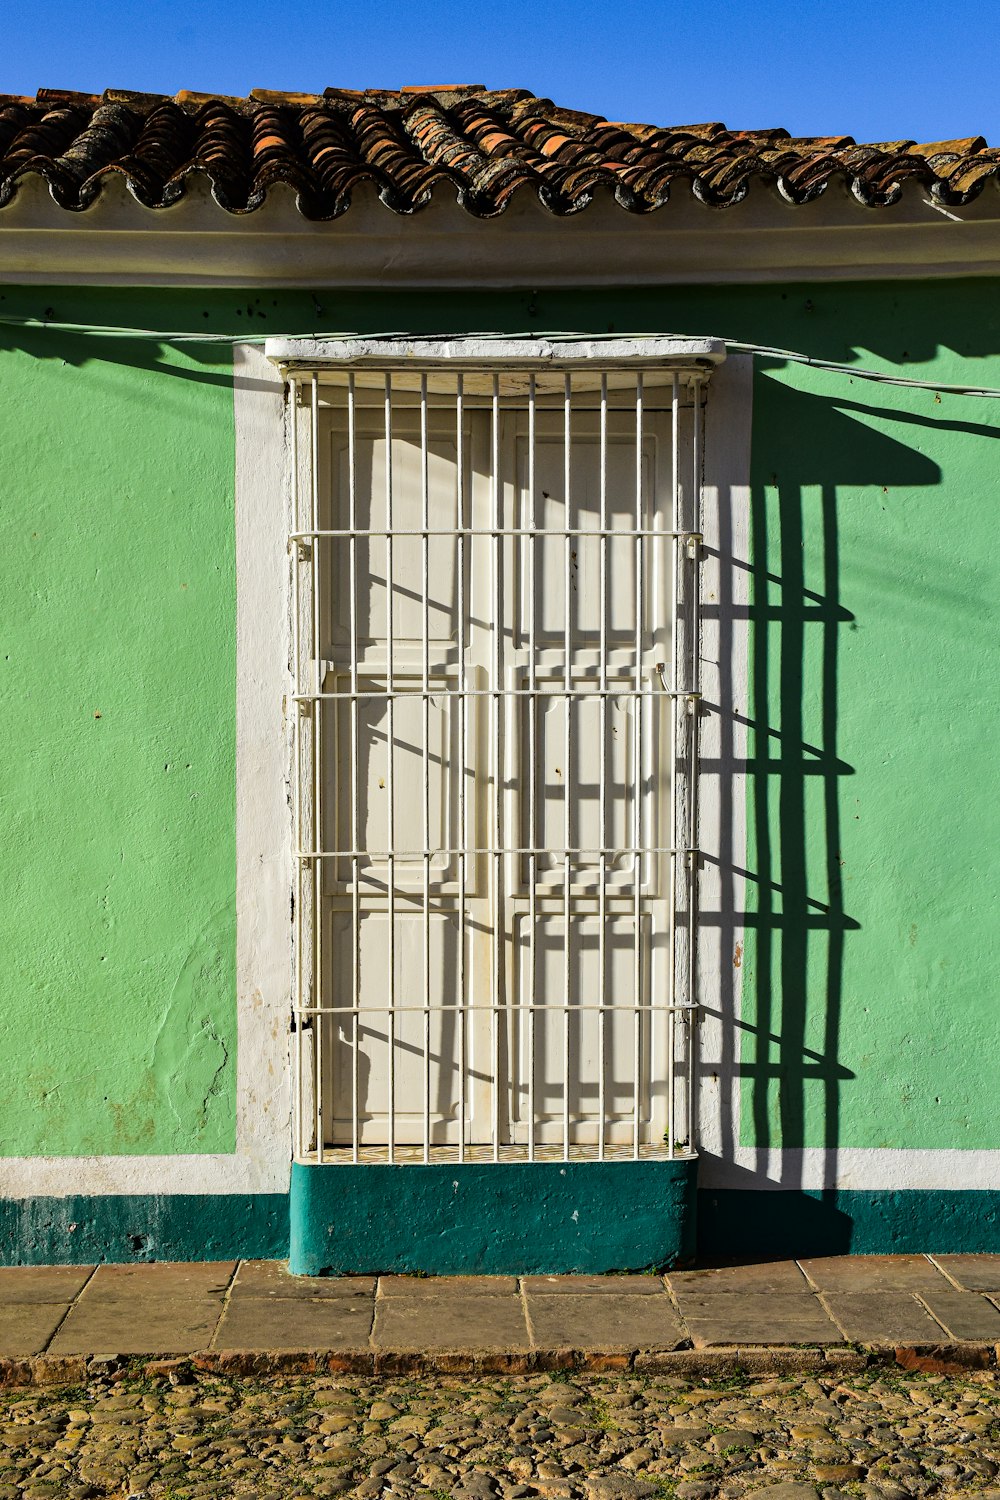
column 443, row 88
column 487, row 144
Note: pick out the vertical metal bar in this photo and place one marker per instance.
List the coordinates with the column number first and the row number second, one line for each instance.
column 568, row 745
column 317, row 769
column 352, row 522
column 602, row 873
column 693, row 859
column 298, row 709
column 390, row 772
column 497, row 731
column 425, row 697
column 638, row 767
column 675, row 707
column 462, row 752
column 531, row 762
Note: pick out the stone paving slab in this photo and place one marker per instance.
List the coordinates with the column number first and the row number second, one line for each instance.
column 159, row 1325
column 169, row 1278
column 456, row 1286
column 609, row 1321
column 272, row 1278
column 170, row 1308
column 882, row 1318
column 27, row 1327
column 874, row 1273
column 975, row 1273
column 436, row 1318
column 579, row 1286
column 964, row 1315
column 43, row 1283
column 769, row 1276
column 784, row 1318
column 334, row 1323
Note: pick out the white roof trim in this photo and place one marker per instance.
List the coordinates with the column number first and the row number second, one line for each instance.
column 762, row 239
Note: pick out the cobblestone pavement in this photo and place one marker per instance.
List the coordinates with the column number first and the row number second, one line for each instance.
column 878, row 1434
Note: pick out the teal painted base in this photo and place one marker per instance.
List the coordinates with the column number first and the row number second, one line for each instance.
column 79, row 1231
column 482, row 1218
column 747, row 1225
column 539, row 1218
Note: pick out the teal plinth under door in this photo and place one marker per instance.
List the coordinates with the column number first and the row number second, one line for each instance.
column 506, row 1218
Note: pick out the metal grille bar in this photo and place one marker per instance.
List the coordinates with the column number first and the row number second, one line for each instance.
column 495, row 762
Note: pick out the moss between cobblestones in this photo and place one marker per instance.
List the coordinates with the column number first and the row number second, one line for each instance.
column 878, row 1434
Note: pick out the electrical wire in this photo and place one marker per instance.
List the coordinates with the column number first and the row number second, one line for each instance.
column 766, row 351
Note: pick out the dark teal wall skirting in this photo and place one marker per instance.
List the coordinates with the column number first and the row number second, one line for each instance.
column 493, row 1218
column 122, row 1228
column 625, row 1220
column 741, row 1225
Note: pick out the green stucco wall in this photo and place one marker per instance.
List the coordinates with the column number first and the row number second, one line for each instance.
column 870, row 991
column 869, row 1016
column 117, row 602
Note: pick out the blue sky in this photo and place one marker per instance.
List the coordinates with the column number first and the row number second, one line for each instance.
column 875, row 69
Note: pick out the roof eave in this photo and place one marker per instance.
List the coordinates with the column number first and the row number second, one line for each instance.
column 196, row 243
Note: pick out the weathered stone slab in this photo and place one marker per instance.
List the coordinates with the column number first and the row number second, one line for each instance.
column 976, row 1273
column 42, row 1283
column 272, row 1278
column 26, row 1327
column 172, row 1308
column 767, row 1276
column 882, row 1318
column 784, row 1318
column 294, row 1323
column 164, row 1326
column 608, row 1322
column 439, row 1320
column 873, row 1273
column 435, row 1287
column 965, row 1315
column 167, row 1278
column 581, row 1286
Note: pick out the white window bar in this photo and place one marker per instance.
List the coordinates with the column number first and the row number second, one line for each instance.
column 602, row 788
column 532, row 774
column 352, row 511
column 496, row 742
column 638, row 772
column 301, row 995
column 692, row 858
column 567, row 790
column 390, row 589
column 549, row 1012
column 426, row 740
column 463, row 758
column 672, row 795
column 317, row 761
